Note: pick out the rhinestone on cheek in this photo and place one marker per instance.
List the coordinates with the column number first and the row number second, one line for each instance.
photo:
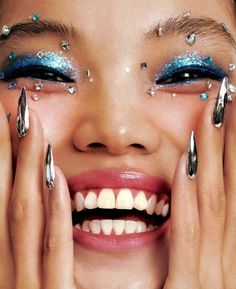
column 72, row 89
column 232, row 66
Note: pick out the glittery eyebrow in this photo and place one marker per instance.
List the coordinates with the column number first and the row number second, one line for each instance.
column 202, row 26
column 31, row 29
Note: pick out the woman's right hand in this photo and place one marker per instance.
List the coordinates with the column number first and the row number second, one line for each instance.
column 36, row 240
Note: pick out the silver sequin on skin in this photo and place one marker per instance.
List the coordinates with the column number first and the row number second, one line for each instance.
column 65, row 45
column 191, row 39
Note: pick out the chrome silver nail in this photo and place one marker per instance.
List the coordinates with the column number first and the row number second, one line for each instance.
column 49, row 168
column 192, row 159
column 219, row 110
column 22, row 121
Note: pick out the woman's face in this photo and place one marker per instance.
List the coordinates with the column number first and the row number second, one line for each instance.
column 112, row 132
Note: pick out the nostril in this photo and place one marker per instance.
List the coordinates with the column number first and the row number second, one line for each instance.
column 96, row 145
column 137, row 146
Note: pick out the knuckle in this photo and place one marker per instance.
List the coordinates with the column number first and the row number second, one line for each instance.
column 54, row 243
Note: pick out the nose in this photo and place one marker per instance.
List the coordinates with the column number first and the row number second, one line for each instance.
column 116, row 124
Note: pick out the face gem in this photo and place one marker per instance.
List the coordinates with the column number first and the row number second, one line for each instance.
column 12, row 56
column 229, row 98
column 173, row 95
column 40, row 54
column 65, row 45
column 12, row 84
column 152, row 91
column 204, row 96
column 35, row 17
column 208, row 59
column 35, row 97
column 232, row 88
column 127, row 69
column 160, row 31
column 187, row 14
column 143, row 66
column 224, row 26
column 208, row 84
column 8, row 116
column 72, row 89
column 87, row 73
column 232, row 66
column 191, row 39
column 6, row 30
column 38, row 86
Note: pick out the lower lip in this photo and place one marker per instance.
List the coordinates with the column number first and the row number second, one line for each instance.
column 114, row 244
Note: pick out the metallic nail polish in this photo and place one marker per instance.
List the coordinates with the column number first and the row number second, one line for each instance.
column 49, row 168
column 219, row 110
column 22, row 121
column 192, row 159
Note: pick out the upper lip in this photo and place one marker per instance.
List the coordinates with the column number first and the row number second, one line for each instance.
column 117, row 178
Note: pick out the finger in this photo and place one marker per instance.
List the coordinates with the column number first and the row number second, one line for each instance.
column 5, row 193
column 27, row 209
column 211, row 199
column 58, row 259
column 230, row 191
column 184, row 244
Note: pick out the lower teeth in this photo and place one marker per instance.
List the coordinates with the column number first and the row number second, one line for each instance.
column 115, row 227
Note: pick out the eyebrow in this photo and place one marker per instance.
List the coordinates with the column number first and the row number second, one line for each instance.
column 202, row 26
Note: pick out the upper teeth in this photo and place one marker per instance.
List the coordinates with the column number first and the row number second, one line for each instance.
column 107, row 199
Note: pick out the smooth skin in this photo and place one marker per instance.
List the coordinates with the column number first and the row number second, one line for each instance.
column 37, row 248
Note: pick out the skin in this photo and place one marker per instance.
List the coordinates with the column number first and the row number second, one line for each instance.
column 198, row 250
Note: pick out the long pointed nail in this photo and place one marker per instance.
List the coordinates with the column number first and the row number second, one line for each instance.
column 192, row 159
column 22, row 121
column 219, row 110
column 49, row 168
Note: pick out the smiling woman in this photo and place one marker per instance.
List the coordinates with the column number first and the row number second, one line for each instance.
column 133, row 101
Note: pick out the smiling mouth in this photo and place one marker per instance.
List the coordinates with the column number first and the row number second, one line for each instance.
column 119, row 212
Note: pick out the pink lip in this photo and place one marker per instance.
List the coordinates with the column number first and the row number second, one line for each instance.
column 115, row 178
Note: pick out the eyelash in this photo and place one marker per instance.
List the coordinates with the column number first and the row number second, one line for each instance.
column 38, row 72
column 188, row 75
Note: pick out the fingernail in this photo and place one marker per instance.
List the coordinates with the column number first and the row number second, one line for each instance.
column 22, row 121
column 219, row 110
column 49, row 168
column 192, row 160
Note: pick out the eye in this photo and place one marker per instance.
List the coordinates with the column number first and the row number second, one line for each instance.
column 37, row 72
column 187, row 75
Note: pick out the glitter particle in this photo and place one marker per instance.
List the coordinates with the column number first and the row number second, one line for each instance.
column 173, row 94
column 127, row 69
column 40, row 54
column 12, row 56
column 72, row 89
column 204, row 96
column 12, row 84
column 35, row 97
column 6, row 30
column 229, row 98
column 191, row 39
column 65, row 45
column 232, row 66
column 35, row 17
column 143, row 65
column 152, row 91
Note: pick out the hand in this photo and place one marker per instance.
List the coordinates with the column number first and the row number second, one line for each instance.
column 203, row 213
column 37, row 232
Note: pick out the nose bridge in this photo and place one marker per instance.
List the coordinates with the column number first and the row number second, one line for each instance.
column 115, row 118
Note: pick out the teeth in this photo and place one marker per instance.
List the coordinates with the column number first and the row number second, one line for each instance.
column 117, row 227
column 90, row 201
column 106, row 199
column 79, row 202
column 106, row 226
column 125, row 200
column 140, row 201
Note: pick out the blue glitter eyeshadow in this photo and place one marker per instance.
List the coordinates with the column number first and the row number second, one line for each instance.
column 52, row 60
column 192, row 61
